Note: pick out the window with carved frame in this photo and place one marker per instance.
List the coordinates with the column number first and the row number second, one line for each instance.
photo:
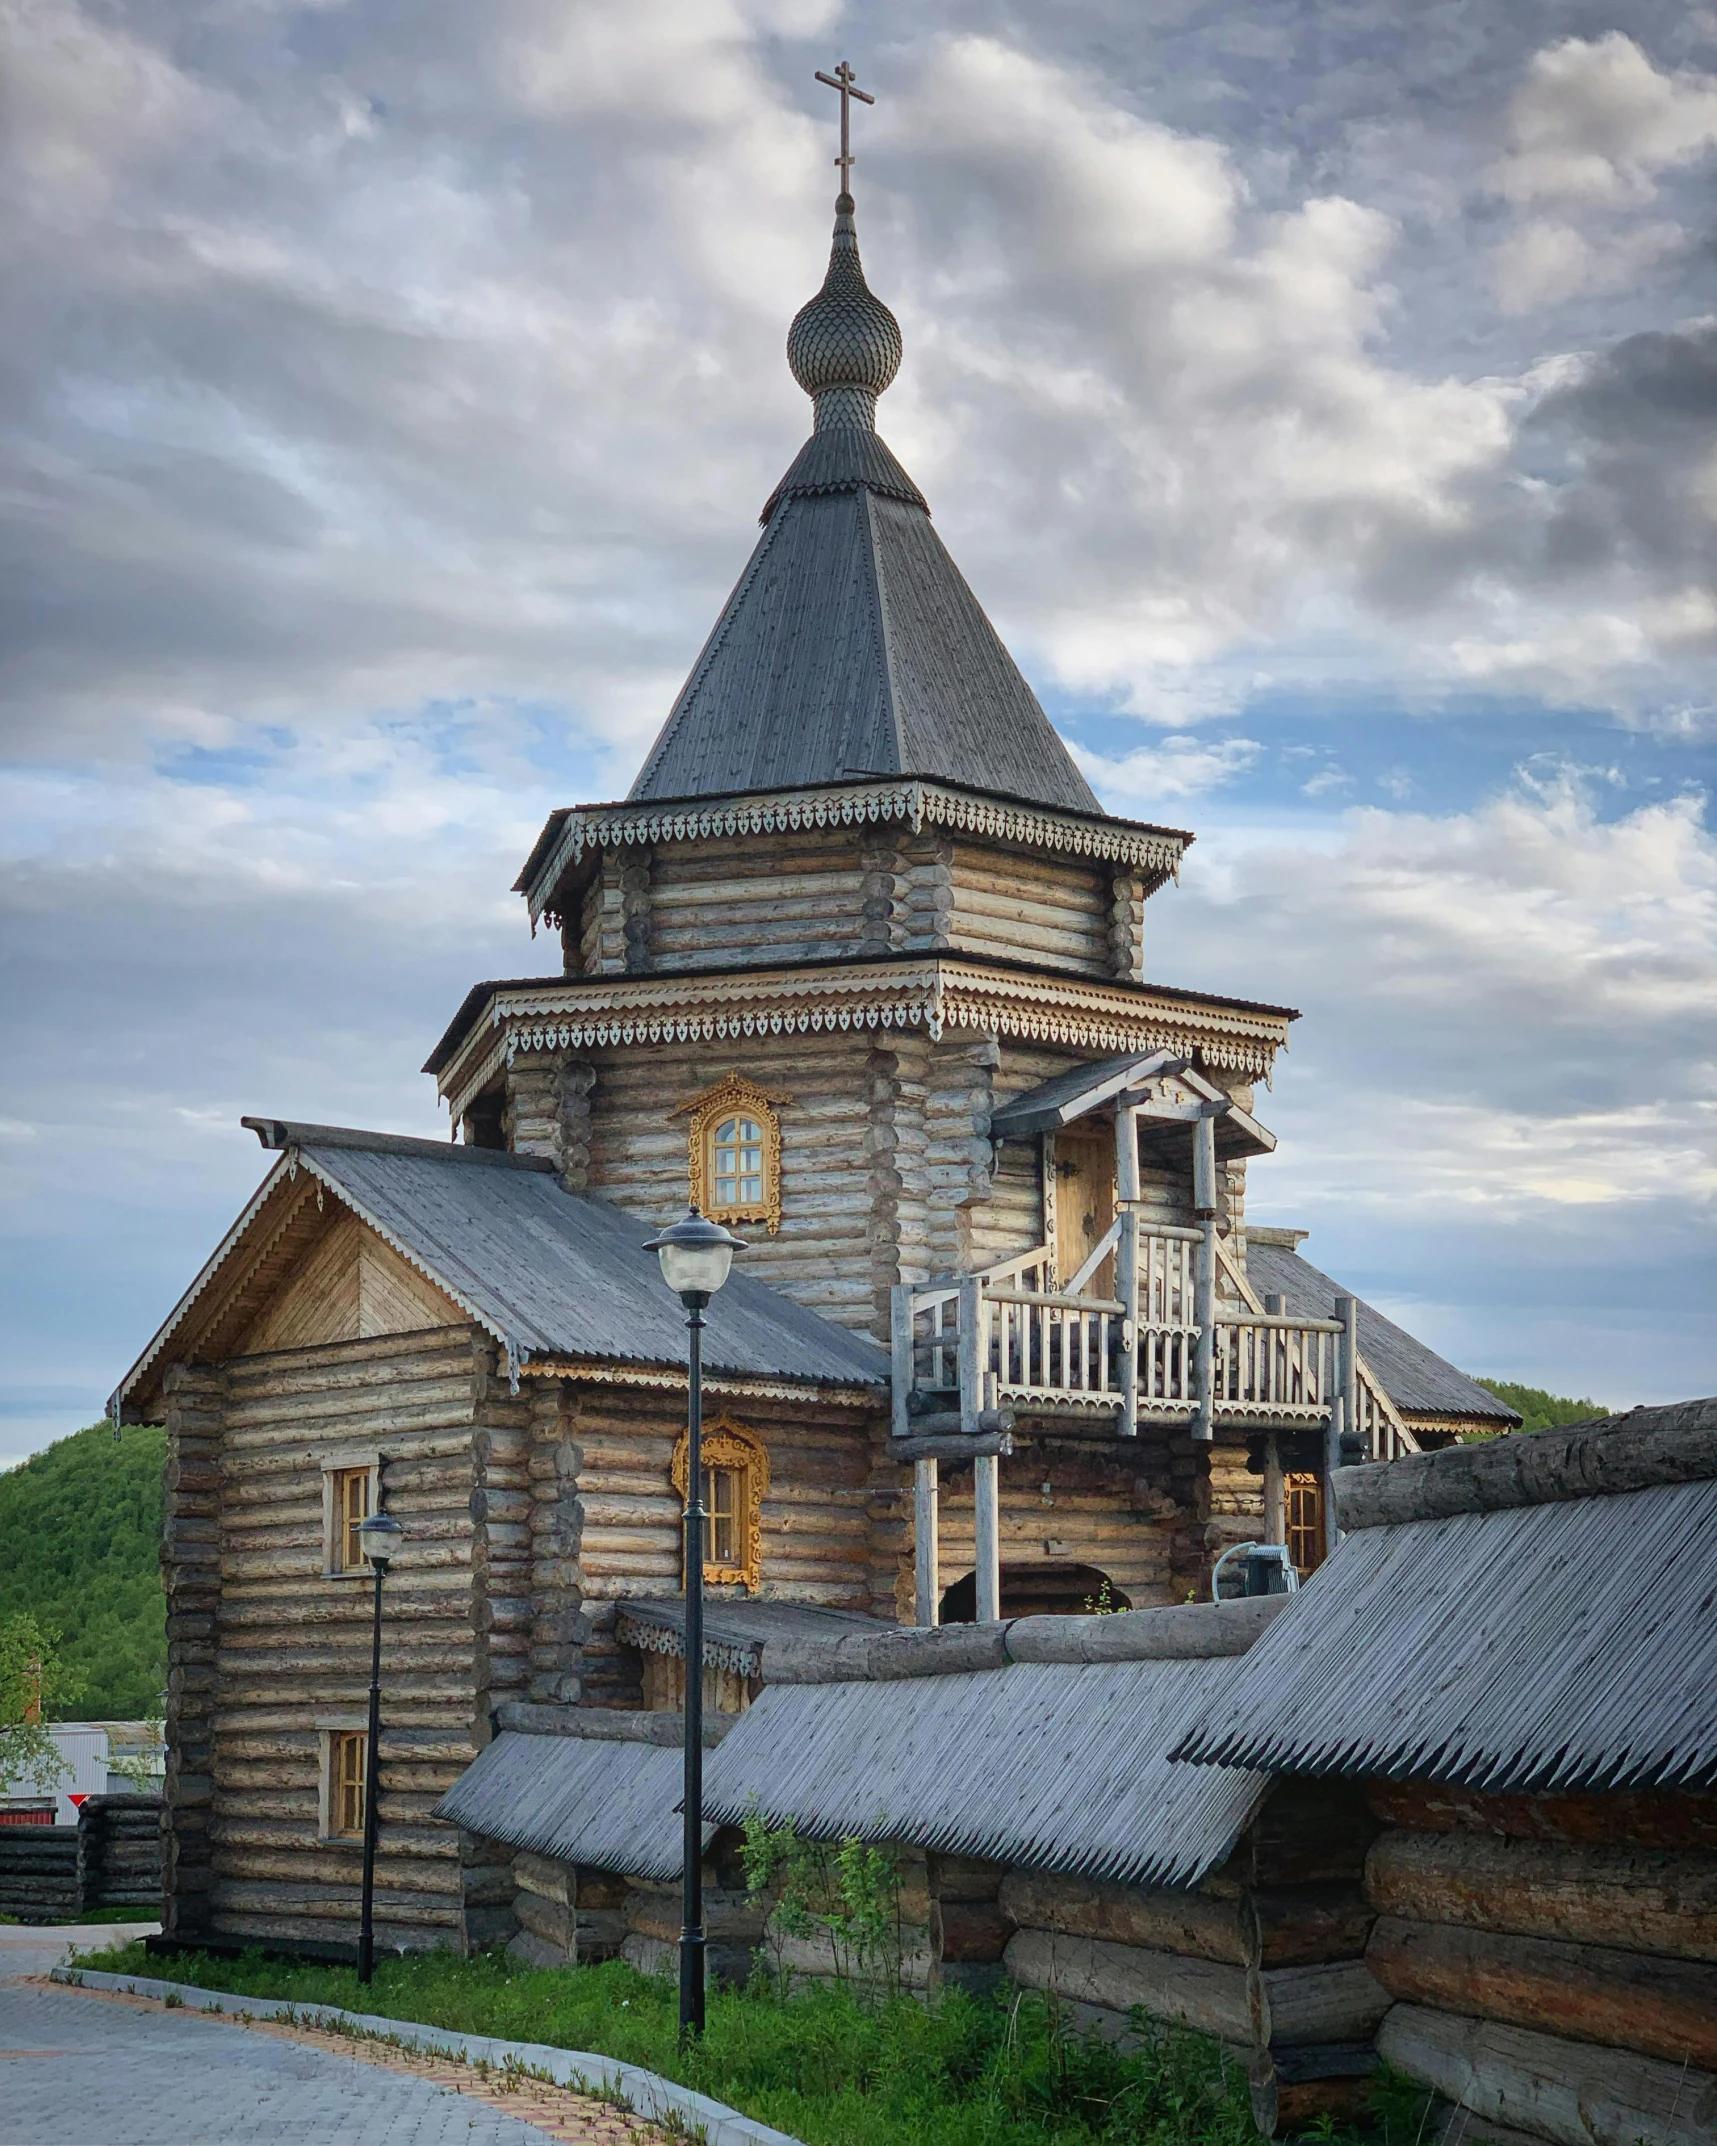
column 733, row 1152
column 735, row 1483
column 348, row 1754
column 1304, row 1498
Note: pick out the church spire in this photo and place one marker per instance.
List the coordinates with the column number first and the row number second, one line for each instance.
column 844, row 346
column 852, row 648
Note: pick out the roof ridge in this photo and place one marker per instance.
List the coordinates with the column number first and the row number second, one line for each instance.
column 283, row 1133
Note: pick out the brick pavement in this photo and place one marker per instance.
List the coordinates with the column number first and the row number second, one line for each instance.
column 79, row 2066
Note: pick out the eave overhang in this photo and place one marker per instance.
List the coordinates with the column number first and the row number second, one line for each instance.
column 934, row 994
column 571, row 833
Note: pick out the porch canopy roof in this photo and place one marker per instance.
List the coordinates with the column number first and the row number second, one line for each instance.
column 1165, row 1090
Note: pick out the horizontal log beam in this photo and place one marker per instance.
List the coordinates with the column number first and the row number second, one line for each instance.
column 1629, row 2000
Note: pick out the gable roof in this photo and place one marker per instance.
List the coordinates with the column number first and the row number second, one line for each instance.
column 1550, row 1625
column 547, row 1272
column 1416, row 1378
column 852, row 646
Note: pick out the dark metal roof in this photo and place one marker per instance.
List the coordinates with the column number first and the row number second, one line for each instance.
column 1042, row 1764
column 1416, row 1379
column 549, row 1273
column 610, row 1804
column 853, row 646
column 556, row 1273
column 1568, row 1646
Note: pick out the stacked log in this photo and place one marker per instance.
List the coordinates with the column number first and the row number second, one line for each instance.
column 1266, row 1955
column 121, row 1851
column 41, row 1873
column 1554, row 1958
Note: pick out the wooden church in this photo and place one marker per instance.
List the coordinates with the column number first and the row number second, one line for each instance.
column 859, row 967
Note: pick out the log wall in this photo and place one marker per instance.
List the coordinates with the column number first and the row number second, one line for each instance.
column 819, row 894
column 1554, row 1958
column 1267, row 1955
column 293, row 1642
column 816, row 1515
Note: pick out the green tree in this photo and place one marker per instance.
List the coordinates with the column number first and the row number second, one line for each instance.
column 80, row 1536
column 1541, row 1411
column 35, row 1687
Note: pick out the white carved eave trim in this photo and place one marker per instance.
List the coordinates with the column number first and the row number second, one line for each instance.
column 604, row 1371
column 941, row 998
column 1156, row 852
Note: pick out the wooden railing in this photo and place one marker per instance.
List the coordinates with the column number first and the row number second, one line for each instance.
column 1004, row 1338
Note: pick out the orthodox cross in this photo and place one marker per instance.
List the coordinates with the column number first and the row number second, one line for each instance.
column 842, row 79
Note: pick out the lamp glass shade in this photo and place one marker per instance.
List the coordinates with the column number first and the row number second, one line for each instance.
column 696, row 1255
column 380, row 1537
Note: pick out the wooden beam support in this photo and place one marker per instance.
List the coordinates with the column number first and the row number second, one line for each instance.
column 971, row 1352
column 953, row 1446
column 1344, row 1411
column 1127, row 1264
column 986, row 1516
column 900, row 1348
column 926, row 1541
column 1204, row 1279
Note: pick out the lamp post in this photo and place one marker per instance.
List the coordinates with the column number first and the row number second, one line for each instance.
column 695, row 1254
column 380, row 1536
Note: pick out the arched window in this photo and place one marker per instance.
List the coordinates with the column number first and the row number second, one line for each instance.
column 735, row 1482
column 733, row 1152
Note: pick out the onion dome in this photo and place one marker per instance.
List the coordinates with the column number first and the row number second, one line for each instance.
column 844, row 346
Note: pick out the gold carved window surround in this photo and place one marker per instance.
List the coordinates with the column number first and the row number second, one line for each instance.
column 736, row 1481
column 733, row 1152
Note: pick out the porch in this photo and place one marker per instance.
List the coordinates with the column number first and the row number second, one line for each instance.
column 1156, row 1325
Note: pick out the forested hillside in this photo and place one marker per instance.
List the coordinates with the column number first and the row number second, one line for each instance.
column 1542, row 1411
column 80, row 1535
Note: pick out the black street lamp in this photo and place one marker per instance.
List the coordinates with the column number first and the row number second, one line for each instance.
column 695, row 1255
column 380, row 1536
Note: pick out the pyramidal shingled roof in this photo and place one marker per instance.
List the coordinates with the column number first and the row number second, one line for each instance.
column 852, row 645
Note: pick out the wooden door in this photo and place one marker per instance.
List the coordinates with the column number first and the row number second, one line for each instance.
column 1084, row 1201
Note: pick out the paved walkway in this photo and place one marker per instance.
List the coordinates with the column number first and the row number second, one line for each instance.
column 77, row 2068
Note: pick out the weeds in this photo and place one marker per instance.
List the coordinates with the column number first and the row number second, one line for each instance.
column 831, row 2064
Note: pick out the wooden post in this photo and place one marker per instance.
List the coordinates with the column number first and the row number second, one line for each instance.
column 972, row 1365
column 900, row 1345
column 1204, row 1280
column 986, row 1519
column 1127, row 1264
column 1275, row 1481
column 1344, row 1410
column 926, row 1543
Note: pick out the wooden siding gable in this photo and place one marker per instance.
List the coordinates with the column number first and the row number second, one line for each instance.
column 351, row 1286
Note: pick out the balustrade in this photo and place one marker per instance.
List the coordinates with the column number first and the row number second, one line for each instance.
column 1036, row 1346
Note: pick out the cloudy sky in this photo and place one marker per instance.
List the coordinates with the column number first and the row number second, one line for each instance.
column 1320, row 397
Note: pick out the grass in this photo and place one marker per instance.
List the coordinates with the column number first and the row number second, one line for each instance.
column 821, row 2065
column 132, row 1914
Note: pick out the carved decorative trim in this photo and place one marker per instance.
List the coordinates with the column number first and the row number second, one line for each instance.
column 727, row 1444
column 730, row 1096
column 942, row 995
column 1153, row 851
